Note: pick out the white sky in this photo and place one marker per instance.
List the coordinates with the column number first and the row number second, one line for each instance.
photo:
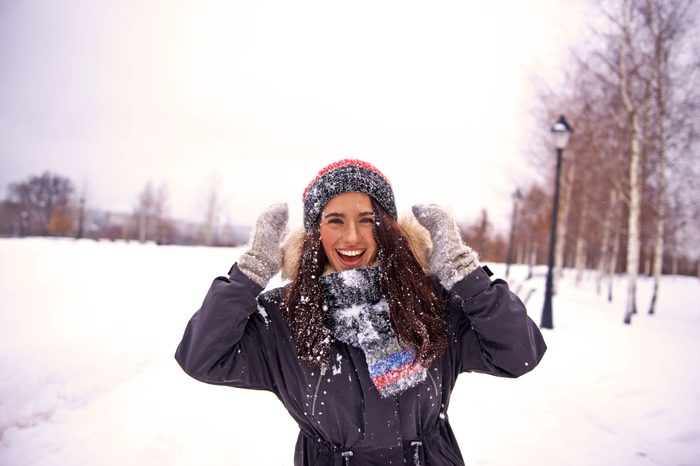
column 260, row 95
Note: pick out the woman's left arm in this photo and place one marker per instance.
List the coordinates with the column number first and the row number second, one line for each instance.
column 493, row 331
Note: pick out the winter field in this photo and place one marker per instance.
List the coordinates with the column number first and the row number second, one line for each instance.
column 87, row 376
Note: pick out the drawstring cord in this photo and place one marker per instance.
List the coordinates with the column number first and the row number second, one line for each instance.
column 346, row 455
column 416, row 455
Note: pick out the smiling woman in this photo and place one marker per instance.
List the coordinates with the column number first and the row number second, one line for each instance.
column 364, row 346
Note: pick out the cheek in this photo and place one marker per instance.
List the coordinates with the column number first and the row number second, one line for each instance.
column 371, row 242
column 327, row 240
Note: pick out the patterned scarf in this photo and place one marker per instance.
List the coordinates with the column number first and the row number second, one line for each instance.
column 359, row 316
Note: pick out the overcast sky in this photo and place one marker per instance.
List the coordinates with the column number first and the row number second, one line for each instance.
column 259, row 95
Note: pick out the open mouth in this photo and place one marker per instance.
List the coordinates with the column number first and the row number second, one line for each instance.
column 350, row 257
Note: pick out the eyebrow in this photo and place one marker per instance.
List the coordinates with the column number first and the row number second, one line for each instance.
column 340, row 215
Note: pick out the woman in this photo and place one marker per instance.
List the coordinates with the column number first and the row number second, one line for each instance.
column 364, row 345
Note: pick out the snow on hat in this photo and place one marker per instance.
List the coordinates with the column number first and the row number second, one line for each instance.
column 347, row 175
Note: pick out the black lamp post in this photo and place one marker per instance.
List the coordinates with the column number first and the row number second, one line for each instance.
column 561, row 130
column 516, row 200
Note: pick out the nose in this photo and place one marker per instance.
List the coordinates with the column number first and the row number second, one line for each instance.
column 352, row 233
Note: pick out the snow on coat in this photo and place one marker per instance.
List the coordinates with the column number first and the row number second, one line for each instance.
column 239, row 338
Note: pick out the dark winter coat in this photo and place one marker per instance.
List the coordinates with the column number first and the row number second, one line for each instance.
column 239, row 338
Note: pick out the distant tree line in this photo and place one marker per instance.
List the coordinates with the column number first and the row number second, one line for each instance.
column 47, row 205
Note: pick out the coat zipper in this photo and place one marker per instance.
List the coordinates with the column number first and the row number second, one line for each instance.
column 318, row 385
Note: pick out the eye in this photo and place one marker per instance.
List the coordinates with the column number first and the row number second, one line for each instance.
column 336, row 221
column 366, row 220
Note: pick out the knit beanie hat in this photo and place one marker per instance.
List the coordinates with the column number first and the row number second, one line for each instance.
column 347, row 175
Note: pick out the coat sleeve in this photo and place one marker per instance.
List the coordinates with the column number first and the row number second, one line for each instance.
column 227, row 341
column 493, row 331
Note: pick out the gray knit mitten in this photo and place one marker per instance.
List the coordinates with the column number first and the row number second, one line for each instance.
column 450, row 260
column 263, row 258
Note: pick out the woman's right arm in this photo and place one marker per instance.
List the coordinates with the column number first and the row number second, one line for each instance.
column 225, row 341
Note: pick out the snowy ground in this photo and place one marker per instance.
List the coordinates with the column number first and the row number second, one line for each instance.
column 87, row 375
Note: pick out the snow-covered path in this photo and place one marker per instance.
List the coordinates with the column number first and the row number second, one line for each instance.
column 87, row 375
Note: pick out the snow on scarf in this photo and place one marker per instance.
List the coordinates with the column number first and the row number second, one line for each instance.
column 359, row 316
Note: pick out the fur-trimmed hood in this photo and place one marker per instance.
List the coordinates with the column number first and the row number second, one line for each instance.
column 418, row 238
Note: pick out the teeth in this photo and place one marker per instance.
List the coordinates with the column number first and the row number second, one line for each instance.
column 351, row 253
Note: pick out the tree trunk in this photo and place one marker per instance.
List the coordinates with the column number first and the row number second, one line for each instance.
column 675, row 263
column 615, row 254
column 660, row 226
column 634, row 167
column 648, row 254
column 612, row 265
column 81, row 219
column 633, row 222
column 658, row 262
column 521, row 253
column 126, row 230
column 605, row 253
column 580, row 258
column 143, row 226
column 211, row 215
column 533, row 259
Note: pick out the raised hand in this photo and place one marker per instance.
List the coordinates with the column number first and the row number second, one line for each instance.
column 451, row 259
column 263, row 258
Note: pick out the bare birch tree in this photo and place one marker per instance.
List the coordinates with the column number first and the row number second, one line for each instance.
column 160, row 209
column 667, row 24
column 212, row 206
column 143, row 212
column 627, row 72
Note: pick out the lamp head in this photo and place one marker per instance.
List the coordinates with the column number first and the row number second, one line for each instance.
column 561, row 130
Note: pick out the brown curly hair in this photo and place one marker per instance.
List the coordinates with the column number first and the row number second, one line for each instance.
column 417, row 313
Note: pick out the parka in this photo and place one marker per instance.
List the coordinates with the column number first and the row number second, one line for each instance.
column 239, row 338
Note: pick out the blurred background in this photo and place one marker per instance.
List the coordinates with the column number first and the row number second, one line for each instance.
column 178, row 122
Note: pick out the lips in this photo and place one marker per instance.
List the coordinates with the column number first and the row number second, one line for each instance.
column 350, row 257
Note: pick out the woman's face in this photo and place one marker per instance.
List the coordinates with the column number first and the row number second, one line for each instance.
column 347, row 231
